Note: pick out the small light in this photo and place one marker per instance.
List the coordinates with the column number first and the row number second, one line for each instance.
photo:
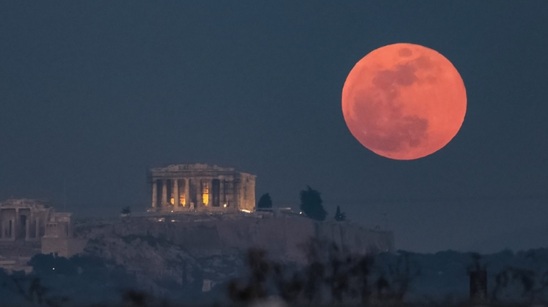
column 53, row 269
column 224, row 205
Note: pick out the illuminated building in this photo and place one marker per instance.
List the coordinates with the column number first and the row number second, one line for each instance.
column 201, row 187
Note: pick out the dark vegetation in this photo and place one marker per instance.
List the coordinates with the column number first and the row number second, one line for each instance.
column 311, row 204
column 58, row 281
column 529, row 283
column 333, row 278
column 265, row 202
column 330, row 277
column 126, row 211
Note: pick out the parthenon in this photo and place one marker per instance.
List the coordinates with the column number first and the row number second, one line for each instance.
column 201, row 187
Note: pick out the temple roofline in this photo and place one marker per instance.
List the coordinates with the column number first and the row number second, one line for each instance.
column 24, row 203
column 191, row 167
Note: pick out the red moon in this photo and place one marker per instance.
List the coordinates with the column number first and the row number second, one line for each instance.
column 404, row 101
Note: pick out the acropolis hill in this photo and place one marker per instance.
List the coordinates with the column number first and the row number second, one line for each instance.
column 201, row 219
column 198, row 189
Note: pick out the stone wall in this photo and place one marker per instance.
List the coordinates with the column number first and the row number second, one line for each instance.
column 64, row 247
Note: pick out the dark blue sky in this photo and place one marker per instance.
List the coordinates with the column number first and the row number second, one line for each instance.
column 93, row 93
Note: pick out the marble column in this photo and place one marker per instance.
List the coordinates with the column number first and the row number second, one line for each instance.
column 231, row 197
column 15, row 225
column 210, row 192
column 222, row 198
column 176, row 199
column 164, row 193
column 154, row 194
column 31, row 219
column 11, row 224
column 207, row 183
column 37, row 227
column 187, row 191
column 199, row 195
column 27, row 228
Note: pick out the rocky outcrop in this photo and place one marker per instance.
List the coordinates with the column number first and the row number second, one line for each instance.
column 159, row 265
column 196, row 252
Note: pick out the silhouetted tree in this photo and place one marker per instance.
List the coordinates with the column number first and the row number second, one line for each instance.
column 331, row 275
column 340, row 216
column 255, row 288
column 135, row 298
column 265, row 202
column 311, row 204
column 401, row 274
column 126, row 211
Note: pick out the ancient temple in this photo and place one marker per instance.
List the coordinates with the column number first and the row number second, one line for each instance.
column 29, row 226
column 201, row 187
column 24, row 219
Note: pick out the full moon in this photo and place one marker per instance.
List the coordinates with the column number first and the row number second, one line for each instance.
column 404, row 101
